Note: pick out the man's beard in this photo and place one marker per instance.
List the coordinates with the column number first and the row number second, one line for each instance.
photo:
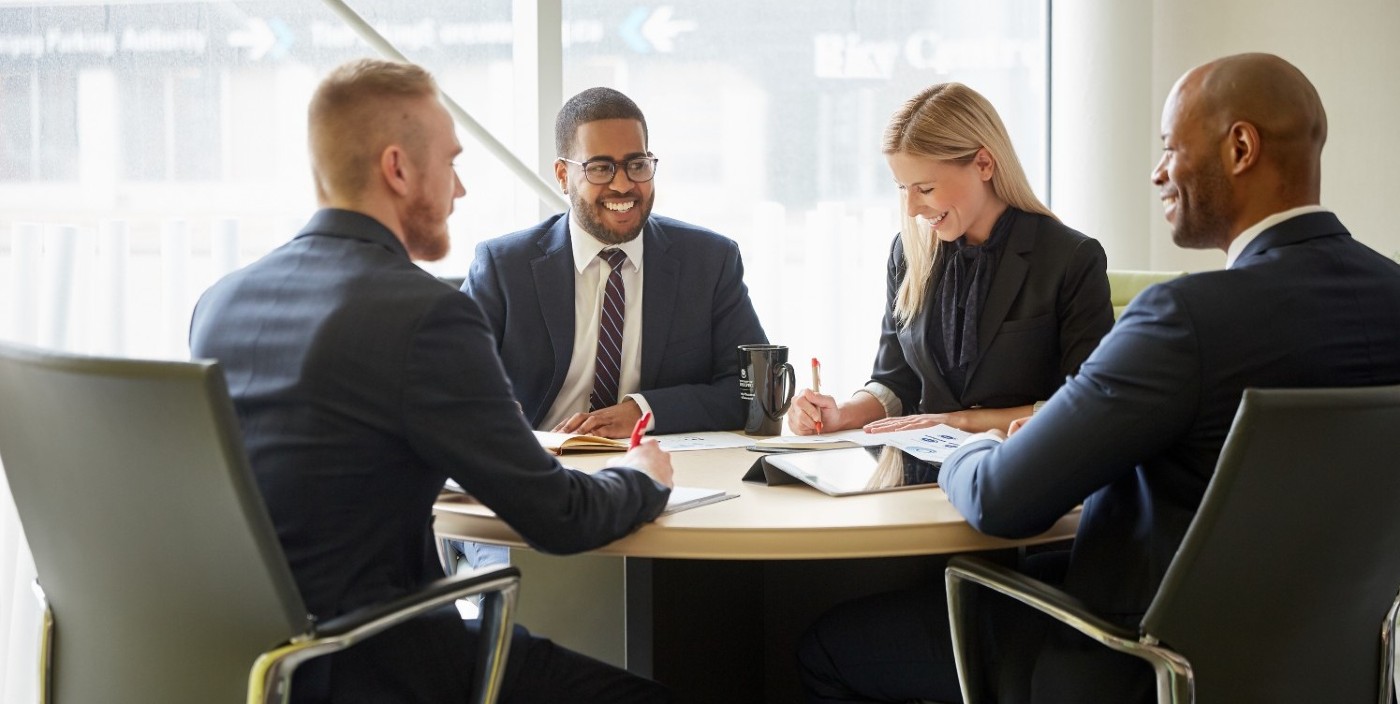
column 588, row 217
column 425, row 236
column 1203, row 223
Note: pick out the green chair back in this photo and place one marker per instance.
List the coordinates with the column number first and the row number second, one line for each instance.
column 1125, row 284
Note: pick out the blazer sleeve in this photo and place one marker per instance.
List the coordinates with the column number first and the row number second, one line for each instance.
column 713, row 404
column 892, row 369
column 459, row 416
column 1084, row 305
column 1135, row 395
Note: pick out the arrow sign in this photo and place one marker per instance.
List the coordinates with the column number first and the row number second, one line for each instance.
column 661, row 30
column 631, row 31
column 645, row 30
column 261, row 38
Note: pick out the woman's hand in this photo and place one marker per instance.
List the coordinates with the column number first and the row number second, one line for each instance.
column 925, row 420
column 808, row 408
column 973, row 420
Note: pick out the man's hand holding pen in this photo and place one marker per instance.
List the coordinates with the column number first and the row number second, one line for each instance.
column 646, row 455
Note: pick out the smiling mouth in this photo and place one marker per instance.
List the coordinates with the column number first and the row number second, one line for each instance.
column 934, row 222
column 1169, row 208
column 620, row 207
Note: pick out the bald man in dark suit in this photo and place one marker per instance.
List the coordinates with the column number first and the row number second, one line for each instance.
column 1136, row 434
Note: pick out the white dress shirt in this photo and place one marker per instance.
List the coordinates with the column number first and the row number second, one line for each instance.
column 590, row 282
column 1241, row 241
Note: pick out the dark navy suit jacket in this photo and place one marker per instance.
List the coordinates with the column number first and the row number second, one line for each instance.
column 1136, row 434
column 361, row 383
column 695, row 313
column 1046, row 310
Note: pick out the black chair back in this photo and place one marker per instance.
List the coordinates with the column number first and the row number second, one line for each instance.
column 1279, row 589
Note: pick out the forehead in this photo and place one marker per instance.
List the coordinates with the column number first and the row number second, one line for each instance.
column 909, row 169
column 1178, row 106
column 614, row 138
column 439, row 131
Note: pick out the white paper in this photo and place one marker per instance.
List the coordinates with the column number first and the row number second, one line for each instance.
column 682, row 442
column 933, row 444
column 684, row 497
column 856, row 435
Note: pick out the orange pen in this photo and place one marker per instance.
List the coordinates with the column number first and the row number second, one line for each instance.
column 817, row 388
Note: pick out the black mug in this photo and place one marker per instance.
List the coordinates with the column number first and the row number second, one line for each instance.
column 766, row 385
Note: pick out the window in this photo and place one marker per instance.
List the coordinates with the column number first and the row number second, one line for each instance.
column 148, row 147
column 768, row 119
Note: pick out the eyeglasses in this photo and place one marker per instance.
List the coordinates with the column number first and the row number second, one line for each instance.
column 601, row 172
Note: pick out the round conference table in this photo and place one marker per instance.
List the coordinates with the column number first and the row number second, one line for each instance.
column 748, row 573
column 786, row 522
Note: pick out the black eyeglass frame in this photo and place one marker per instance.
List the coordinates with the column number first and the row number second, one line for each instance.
column 612, row 167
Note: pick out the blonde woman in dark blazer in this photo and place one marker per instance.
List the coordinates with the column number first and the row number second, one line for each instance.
column 992, row 301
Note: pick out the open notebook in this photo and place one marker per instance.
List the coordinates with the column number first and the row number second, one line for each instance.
column 562, row 443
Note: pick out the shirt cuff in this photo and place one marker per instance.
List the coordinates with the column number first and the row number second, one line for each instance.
column 646, row 408
column 975, row 437
column 893, row 406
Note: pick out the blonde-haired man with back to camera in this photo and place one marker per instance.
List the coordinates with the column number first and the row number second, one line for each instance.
column 362, row 383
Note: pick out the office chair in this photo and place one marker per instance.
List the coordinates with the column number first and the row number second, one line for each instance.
column 1284, row 588
column 162, row 578
column 1125, row 284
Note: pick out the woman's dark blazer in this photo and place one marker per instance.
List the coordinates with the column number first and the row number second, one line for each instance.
column 1046, row 310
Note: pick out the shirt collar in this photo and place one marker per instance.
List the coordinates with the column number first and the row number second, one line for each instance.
column 1001, row 231
column 338, row 222
column 1236, row 247
column 586, row 247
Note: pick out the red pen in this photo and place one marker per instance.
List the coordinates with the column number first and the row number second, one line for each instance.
column 817, row 388
column 639, row 430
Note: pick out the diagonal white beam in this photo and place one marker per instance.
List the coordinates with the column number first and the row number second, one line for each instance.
column 542, row 188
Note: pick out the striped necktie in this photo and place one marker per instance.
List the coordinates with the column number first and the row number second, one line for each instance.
column 608, row 368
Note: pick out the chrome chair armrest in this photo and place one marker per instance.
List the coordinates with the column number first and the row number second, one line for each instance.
column 46, row 634
column 271, row 675
column 1390, row 678
column 1174, row 677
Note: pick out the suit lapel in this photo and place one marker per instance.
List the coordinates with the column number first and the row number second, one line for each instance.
column 1006, row 284
column 555, row 265
column 660, row 283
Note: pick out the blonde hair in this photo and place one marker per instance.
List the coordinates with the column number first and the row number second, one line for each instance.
column 949, row 122
column 357, row 111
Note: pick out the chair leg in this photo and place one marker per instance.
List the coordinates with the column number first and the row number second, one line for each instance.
column 1174, row 686
column 497, row 615
column 961, row 627
column 447, row 552
column 1389, row 683
column 46, row 629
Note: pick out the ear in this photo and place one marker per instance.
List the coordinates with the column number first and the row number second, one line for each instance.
column 1242, row 147
column 986, row 165
column 561, row 174
column 395, row 169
